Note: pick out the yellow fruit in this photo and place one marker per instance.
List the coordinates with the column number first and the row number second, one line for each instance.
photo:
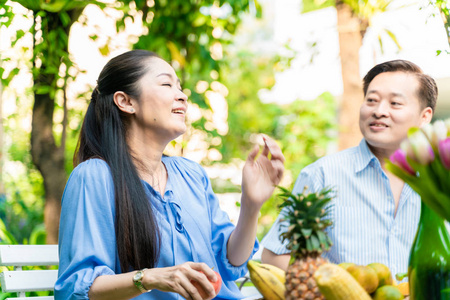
column 279, row 273
column 388, row 292
column 383, row 273
column 337, row 284
column 265, row 281
column 404, row 288
column 366, row 276
column 346, row 265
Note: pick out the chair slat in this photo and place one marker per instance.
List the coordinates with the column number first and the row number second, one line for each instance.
column 250, row 292
column 28, row 281
column 32, row 298
column 28, row 255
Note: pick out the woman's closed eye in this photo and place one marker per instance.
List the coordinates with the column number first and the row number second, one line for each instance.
column 167, row 84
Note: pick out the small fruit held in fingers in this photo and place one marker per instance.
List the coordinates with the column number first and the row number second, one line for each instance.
column 216, row 285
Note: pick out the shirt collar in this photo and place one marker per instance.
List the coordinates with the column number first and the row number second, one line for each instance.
column 364, row 156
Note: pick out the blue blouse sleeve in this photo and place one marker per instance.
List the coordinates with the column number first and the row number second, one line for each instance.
column 221, row 228
column 87, row 243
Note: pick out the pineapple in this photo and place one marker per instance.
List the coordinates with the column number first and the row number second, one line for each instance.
column 306, row 216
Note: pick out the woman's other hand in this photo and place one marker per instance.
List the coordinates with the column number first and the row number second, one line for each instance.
column 261, row 175
column 178, row 279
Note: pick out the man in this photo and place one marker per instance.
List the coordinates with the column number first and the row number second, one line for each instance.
column 375, row 214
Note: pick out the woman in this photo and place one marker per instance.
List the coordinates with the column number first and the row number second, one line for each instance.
column 134, row 220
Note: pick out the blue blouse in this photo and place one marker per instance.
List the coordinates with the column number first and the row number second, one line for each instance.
column 192, row 228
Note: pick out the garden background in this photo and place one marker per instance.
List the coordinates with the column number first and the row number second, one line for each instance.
column 291, row 69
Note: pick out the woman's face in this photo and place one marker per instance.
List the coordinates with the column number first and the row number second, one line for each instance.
column 161, row 109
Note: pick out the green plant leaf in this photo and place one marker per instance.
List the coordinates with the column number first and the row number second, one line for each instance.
column 38, row 235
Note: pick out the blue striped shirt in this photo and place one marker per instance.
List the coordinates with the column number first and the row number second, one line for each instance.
column 366, row 228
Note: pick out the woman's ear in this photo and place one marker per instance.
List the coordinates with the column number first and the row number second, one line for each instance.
column 124, row 102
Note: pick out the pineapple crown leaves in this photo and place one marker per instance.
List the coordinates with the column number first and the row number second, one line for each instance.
column 306, row 216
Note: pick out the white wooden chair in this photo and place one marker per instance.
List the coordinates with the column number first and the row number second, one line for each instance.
column 250, row 292
column 20, row 281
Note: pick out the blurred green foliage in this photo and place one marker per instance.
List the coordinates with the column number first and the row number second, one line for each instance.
column 195, row 37
column 444, row 9
column 311, row 5
column 180, row 31
column 22, row 208
column 305, row 131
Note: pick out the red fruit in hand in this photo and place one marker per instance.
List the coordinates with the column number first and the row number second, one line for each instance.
column 217, row 285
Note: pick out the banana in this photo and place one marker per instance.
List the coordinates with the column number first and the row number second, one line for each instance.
column 266, row 281
column 279, row 273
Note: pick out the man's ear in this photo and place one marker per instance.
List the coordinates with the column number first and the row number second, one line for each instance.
column 124, row 102
column 426, row 116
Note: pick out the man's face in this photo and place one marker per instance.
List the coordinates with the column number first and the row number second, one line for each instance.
column 391, row 106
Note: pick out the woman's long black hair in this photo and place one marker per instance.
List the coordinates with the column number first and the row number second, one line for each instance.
column 103, row 135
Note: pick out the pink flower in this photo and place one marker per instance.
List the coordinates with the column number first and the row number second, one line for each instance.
column 444, row 152
column 399, row 159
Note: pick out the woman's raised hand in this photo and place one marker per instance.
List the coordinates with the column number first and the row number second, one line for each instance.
column 179, row 279
column 261, row 175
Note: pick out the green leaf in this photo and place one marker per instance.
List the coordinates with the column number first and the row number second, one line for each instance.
column 309, row 246
column 322, row 237
column 19, row 34
column 11, row 75
column 380, row 41
column 5, row 236
column 306, row 232
column 394, row 39
column 199, row 21
column 412, row 130
column 38, row 235
column 315, row 242
column 104, row 50
column 43, row 89
column 65, row 18
column 53, row 6
column 29, row 4
column 79, row 4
